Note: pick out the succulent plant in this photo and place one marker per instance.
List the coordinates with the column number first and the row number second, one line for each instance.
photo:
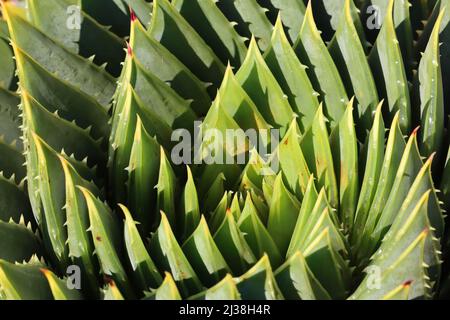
column 350, row 204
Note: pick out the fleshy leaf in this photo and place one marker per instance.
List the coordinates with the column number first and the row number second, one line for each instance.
column 77, row 222
column 210, row 23
column 262, row 87
column 150, row 53
column 144, row 271
column 168, row 256
column 250, row 18
column 431, row 95
column 321, row 69
column 296, row 280
column 169, row 28
column 143, row 177
column 389, row 71
column 344, row 146
column 190, row 210
column 317, row 150
column 292, row 76
column 19, row 243
column 256, row 234
column 204, row 256
column 59, row 288
column 107, row 241
column 259, row 283
column 23, row 282
column 232, row 245
column 284, row 209
column 349, row 56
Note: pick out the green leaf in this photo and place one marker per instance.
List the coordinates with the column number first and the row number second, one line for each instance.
column 262, row 87
column 308, row 206
column 9, row 116
column 372, row 168
column 284, row 209
column 256, row 234
column 77, row 222
column 59, row 288
column 292, row 161
column 344, row 146
column 255, row 173
column 12, row 160
column 239, row 106
column 402, row 11
column 170, row 29
column 46, row 188
column 116, row 13
column 223, row 290
column 166, row 190
column 321, row 69
column 168, row 290
column 190, row 210
column 297, row 282
column 250, row 18
column 107, row 241
column 313, row 220
column 419, row 211
column 65, row 65
column 13, row 201
column 19, row 243
column 144, row 271
column 431, row 95
column 221, row 148
column 150, row 53
column 56, row 95
column 23, row 282
column 218, row 215
column 143, row 174
column 350, row 58
column 444, row 48
column 168, row 256
column 395, row 147
column 59, row 133
column 87, row 39
column 210, row 23
column 291, row 76
column 408, row 174
column 388, row 67
column 410, row 241
column 204, row 256
column 292, row 14
column 212, row 201
column 259, row 283
column 8, row 66
column 232, row 245
column 123, row 132
column 316, row 148
column 155, row 97
column 336, row 277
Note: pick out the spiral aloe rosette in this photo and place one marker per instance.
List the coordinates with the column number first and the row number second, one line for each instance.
column 347, row 186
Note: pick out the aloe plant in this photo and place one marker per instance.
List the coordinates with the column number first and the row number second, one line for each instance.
column 349, row 204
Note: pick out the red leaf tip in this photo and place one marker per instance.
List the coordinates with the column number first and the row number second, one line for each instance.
column 132, row 15
column 407, row 283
